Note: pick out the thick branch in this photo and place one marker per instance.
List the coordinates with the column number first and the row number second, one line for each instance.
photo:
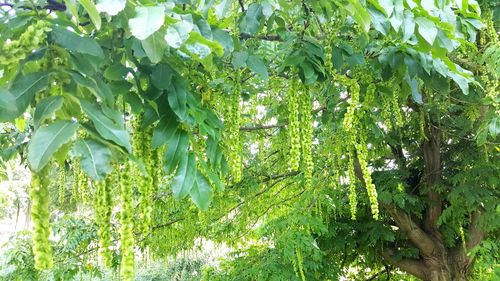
column 475, row 233
column 414, row 267
column 474, row 236
column 432, row 158
column 416, row 235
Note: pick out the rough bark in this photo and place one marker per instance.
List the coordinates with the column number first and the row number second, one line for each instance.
column 432, row 159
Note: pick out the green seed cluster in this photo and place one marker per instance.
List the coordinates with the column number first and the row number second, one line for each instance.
column 127, row 225
column 300, row 263
column 80, row 184
column 387, row 112
column 103, row 211
column 350, row 118
column 83, row 186
column 353, row 201
column 233, row 120
column 76, row 181
column 490, row 26
column 31, row 39
column 61, row 182
column 295, row 266
column 396, row 109
column 155, row 170
column 356, row 140
column 346, row 144
column 40, row 215
column 293, row 125
column 369, row 99
column 141, row 144
column 367, row 176
column 55, row 59
column 421, row 122
column 306, row 126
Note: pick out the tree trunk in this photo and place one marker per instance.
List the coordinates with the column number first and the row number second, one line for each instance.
column 436, row 262
column 452, row 269
column 447, row 265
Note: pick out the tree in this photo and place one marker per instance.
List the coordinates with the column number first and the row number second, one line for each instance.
column 290, row 105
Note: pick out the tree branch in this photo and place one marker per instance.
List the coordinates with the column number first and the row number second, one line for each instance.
column 414, row 267
column 416, row 235
column 432, row 159
column 242, row 5
column 474, row 233
column 244, row 36
column 266, row 127
column 261, row 127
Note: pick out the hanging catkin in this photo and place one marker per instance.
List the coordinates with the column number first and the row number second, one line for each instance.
column 40, row 215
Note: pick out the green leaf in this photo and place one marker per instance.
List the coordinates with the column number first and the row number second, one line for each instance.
column 222, row 8
column 71, row 5
column 195, row 37
column 92, row 11
column 95, row 158
column 85, row 64
column 46, row 108
column 20, row 123
column 398, row 15
column 427, row 29
column 162, row 76
column 359, row 14
column 201, row 192
column 108, row 128
column 408, row 25
column 177, row 147
column 258, row 66
column 146, row 21
column 388, row 6
column 8, row 108
column 198, row 49
column 154, row 46
column 379, row 20
column 110, row 7
column 250, row 22
column 239, row 59
column 178, row 33
column 96, row 87
column 224, row 39
column 71, row 41
column 177, row 97
column 61, row 155
column 24, row 88
column 115, row 72
column 212, row 176
column 413, row 83
column 494, row 127
column 185, row 176
column 482, row 134
column 164, row 131
column 134, row 101
column 47, row 140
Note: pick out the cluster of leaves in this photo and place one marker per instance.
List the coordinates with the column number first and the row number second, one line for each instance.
column 75, row 238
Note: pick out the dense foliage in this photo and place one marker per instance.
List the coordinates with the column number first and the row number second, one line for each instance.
column 317, row 139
